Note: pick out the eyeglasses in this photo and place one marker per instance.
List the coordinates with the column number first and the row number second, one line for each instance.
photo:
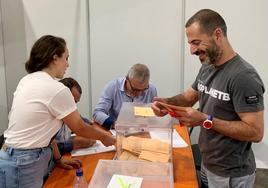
column 133, row 89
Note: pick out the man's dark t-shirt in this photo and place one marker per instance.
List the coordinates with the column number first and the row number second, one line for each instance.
column 223, row 92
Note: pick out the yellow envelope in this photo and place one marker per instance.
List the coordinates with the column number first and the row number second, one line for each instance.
column 143, row 111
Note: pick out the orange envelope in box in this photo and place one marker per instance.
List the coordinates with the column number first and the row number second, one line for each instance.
column 154, row 156
column 156, row 146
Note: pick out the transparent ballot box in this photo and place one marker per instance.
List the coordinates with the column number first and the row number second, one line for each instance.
column 142, row 136
column 112, row 173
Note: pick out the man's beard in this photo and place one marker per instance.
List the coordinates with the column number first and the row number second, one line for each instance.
column 213, row 54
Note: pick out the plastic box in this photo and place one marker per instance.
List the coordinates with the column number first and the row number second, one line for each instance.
column 156, row 175
column 141, row 137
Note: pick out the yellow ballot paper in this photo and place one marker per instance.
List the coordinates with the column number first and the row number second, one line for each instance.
column 143, row 111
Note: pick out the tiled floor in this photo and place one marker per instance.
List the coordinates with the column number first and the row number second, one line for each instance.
column 261, row 178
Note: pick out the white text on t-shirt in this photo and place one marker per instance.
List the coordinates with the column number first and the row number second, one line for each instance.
column 214, row 92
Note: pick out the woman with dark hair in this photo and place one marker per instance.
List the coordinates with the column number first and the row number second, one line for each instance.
column 40, row 106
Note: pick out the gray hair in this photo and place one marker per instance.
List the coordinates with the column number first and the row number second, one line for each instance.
column 139, row 72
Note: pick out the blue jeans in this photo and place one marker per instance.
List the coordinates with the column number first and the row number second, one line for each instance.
column 23, row 168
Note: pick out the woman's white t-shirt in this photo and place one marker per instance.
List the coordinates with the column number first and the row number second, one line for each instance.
column 39, row 104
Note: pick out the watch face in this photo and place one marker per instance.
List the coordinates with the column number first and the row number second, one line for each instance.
column 207, row 124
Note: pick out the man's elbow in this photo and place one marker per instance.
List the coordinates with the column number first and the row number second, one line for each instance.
column 258, row 136
column 257, row 139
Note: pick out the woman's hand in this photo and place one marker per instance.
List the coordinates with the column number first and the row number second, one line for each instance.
column 108, row 139
column 80, row 142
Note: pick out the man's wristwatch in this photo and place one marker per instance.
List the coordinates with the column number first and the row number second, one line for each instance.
column 207, row 124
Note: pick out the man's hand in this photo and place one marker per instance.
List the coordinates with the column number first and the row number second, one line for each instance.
column 69, row 164
column 157, row 107
column 189, row 116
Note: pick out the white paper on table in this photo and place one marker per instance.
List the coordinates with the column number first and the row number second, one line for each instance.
column 113, row 132
column 178, row 141
column 98, row 147
column 125, row 181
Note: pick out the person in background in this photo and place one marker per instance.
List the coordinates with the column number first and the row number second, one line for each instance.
column 135, row 87
column 230, row 95
column 40, row 106
column 66, row 143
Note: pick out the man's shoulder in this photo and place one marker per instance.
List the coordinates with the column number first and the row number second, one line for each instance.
column 115, row 84
column 117, row 81
column 238, row 64
column 152, row 87
column 241, row 68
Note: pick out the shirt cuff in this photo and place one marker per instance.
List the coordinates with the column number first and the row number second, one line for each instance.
column 107, row 124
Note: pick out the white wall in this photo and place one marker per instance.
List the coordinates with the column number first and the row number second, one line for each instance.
column 125, row 32
column 13, row 53
column 247, row 32
column 67, row 19
column 3, row 96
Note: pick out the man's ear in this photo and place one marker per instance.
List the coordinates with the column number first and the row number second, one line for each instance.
column 218, row 33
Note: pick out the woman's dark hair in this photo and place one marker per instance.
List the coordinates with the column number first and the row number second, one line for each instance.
column 43, row 52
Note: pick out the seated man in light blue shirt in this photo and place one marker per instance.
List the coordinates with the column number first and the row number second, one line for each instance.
column 135, row 87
